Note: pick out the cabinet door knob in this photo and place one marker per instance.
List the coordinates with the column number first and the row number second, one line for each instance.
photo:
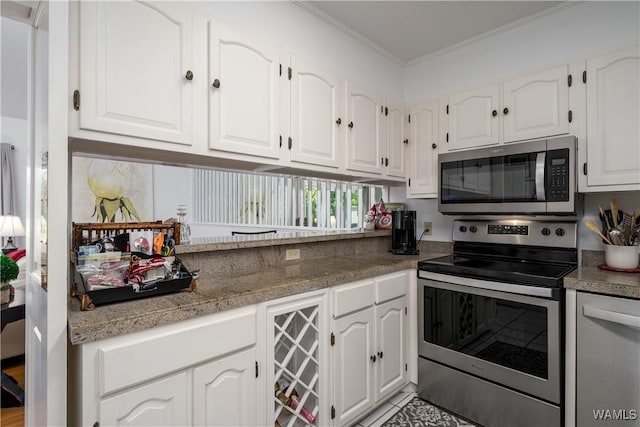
column 189, row 75
column 350, row 125
column 494, row 113
column 339, row 121
column 216, row 83
column 505, row 111
column 380, row 354
column 434, row 145
column 386, row 161
column 373, row 358
column 406, row 141
column 382, row 161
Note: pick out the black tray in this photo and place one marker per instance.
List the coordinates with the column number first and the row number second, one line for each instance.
column 89, row 299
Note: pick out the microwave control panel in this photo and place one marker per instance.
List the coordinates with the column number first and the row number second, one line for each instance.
column 557, row 176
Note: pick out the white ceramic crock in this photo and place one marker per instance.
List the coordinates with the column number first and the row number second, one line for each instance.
column 625, row 257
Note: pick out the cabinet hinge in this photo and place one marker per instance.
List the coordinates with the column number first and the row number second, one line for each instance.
column 333, row 339
column 256, row 369
column 405, row 311
column 76, row 99
column 584, row 168
column 409, row 182
column 386, row 111
column 584, row 76
column 406, row 368
column 280, row 141
column 447, row 136
column 447, row 108
column 333, row 412
column 290, row 143
column 290, row 73
column 409, row 118
column 280, row 69
column 569, row 80
column 570, row 116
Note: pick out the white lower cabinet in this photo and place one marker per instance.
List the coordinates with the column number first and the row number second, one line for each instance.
column 197, row 372
column 157, row 403
column 369, row 344
column 224, row 388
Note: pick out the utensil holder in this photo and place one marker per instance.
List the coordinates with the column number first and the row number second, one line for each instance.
column 625, row 257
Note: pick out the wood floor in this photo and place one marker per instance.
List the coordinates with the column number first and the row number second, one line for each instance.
column 13, row 417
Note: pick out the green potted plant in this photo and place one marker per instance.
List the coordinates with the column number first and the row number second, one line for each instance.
column 8, row 271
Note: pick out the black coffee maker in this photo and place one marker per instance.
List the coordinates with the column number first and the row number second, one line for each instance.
column 403, row 233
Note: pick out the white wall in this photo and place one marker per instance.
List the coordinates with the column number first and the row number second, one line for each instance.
column 572, row 33
column 575, row 32
column 14, row 125
column 287, row 25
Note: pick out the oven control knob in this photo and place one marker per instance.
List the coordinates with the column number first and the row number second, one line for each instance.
column 559, row 231
column 463, row 228
column 473, row 229
column 546, row 231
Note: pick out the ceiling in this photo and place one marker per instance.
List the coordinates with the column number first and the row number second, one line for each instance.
column 407, row 31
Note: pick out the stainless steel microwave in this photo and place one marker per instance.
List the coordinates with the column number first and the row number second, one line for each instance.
column 528, row 178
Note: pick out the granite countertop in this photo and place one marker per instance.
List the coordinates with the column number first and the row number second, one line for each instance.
column 612, row 283
column 243, row 241
column 230, row 291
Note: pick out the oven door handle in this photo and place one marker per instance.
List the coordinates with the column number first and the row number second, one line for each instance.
column 533, row 291
column 541, row 163
column 611, row 316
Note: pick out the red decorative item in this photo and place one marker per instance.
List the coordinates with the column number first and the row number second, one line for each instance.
column 622, row 270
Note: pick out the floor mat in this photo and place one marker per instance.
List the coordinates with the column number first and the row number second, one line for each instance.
column 418, row 413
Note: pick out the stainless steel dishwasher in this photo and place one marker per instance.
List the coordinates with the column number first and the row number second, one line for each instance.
column 608, row 361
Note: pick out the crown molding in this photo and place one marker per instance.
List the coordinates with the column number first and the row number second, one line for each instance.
column 377, row 48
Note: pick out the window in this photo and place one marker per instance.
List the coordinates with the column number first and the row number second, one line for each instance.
column 222, row 197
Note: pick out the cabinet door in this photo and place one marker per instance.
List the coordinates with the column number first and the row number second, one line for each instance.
column 244, row 93
column 134, row 58
column 224, row 388
column 390, row 347
column 423, row 148
column 316, row 117
column 157, row 403
column 473, row 118
column 394, row 161
column 353, row 373
column 613, row 108
column 364, row 128
column 536, row 106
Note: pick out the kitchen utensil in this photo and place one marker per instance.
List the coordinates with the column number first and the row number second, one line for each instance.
column 594, row 227
column 605, row 221
column 616, row 237
column 614, row 211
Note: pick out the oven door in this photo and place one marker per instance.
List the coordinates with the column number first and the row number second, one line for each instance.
column 504, row 337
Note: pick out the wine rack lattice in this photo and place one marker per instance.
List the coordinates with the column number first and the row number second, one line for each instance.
column 296, row 365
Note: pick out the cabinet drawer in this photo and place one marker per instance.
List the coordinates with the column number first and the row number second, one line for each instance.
column 353, row 297
column 138, row 357
column 391, row 286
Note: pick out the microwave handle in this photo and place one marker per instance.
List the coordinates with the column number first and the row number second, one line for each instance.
column 540, row 169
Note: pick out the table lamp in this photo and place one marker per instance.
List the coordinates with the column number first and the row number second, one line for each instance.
column 10, row 227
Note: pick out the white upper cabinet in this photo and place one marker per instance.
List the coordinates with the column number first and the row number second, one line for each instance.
column 528, row 107
column 536, row 105
column 473, row 118
column 364, row 130
column 613, row 124
column 395, row 137
column 244, row 93
column 317, row 116
column 135, row 70
column 423, row 148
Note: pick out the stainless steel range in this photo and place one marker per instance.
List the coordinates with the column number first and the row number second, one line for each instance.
column 491, row 322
